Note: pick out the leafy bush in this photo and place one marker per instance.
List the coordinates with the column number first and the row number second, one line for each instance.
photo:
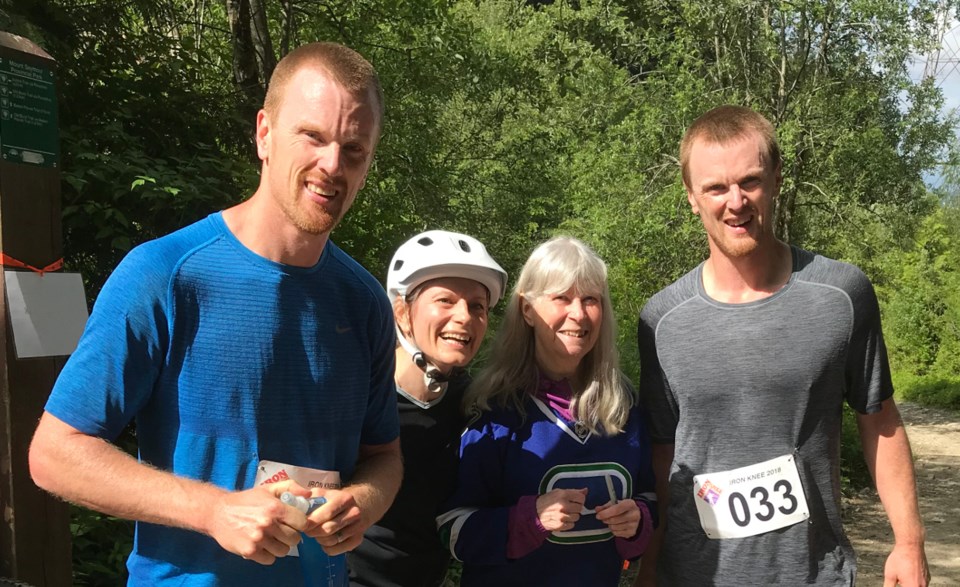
column 101, row 545
column 933, row 390
column 854, row 474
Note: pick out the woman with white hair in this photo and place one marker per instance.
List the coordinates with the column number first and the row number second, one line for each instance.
column 442, row 285
column 555, row 482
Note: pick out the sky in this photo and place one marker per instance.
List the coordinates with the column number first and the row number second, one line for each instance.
column 948, row 77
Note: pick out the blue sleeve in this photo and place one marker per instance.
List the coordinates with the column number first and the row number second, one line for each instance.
column 112, row 373
column 644, row 489
column 382, row 422
column 474, row 521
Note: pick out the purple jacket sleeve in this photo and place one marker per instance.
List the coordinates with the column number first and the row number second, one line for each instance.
column 632, row 548
column 526, row 531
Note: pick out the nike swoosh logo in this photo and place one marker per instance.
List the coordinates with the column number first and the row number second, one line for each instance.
column 342, row 329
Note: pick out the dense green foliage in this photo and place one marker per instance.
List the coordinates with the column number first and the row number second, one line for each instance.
column 922, row 304
column 516, row 120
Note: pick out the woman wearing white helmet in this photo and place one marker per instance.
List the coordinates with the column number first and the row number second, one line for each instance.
column 442, row 285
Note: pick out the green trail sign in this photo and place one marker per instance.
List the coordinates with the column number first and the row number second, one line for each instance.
column 28, row 114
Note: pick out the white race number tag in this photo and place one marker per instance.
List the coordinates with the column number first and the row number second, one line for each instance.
column 272, row 472
column 750, row 500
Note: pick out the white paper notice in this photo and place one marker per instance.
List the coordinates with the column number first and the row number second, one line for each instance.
column 47, row 312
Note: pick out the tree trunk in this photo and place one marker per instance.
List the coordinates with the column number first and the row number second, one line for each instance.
column 787, row 202
column 289, row 26
column 262, row 46
column 245, row 71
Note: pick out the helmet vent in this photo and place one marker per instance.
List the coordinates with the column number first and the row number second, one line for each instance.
column 464, row 246
column 426, row 241
column 398, row 265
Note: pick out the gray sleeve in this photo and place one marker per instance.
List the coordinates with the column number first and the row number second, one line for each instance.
column 655, row 394
column 867, row 369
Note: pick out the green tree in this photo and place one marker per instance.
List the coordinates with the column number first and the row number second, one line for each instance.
column 921, row 301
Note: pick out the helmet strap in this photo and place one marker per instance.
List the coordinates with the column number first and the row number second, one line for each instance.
column 433, row 379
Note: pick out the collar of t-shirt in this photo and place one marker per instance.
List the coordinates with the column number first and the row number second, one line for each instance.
column 556, row 394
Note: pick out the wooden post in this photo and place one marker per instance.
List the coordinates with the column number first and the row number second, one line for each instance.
column 35, row 530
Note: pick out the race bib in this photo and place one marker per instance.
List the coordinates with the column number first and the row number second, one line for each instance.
column 750, row 500
column 272, row 472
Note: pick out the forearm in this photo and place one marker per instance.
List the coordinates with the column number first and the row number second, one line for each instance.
column 482, row 534
column 897, row 488
column 662, row 461
column 887, row 453
column 94, row 473
column 634, row 547
column 526, row 533
column 376, row 480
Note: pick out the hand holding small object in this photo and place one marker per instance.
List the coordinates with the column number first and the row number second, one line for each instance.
column 623, row 517
column 559, row 509
column 305, row 505
column 253, row 525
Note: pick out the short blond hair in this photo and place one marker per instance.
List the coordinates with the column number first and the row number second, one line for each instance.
column 724, row 125
column 344, row 66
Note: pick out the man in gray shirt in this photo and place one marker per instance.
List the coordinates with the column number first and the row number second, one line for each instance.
column 745, row 364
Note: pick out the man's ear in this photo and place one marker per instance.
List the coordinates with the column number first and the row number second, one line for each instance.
column 263, row 134
column 693, row 202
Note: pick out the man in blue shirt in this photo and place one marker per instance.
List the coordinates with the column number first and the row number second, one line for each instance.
column 245, row 341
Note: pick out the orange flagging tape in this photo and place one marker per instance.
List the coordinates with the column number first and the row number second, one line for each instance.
column 8, row 261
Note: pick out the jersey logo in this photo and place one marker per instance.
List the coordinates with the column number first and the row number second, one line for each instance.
column 579, row 432
column 593, row 477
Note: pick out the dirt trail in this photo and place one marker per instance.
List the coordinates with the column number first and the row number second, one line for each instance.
column 935, row 439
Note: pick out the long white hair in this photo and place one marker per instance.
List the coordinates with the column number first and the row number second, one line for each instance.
column 603, row 404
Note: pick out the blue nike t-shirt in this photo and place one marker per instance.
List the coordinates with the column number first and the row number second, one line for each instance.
column 225, row 358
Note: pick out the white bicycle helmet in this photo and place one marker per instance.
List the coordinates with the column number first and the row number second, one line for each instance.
column 439, row 253
column 432, row 255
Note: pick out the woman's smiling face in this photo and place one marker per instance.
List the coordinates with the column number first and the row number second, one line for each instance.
column 565, row 328
column 447, row 320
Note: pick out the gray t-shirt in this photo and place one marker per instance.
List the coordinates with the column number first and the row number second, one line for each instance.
column 732, row 385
